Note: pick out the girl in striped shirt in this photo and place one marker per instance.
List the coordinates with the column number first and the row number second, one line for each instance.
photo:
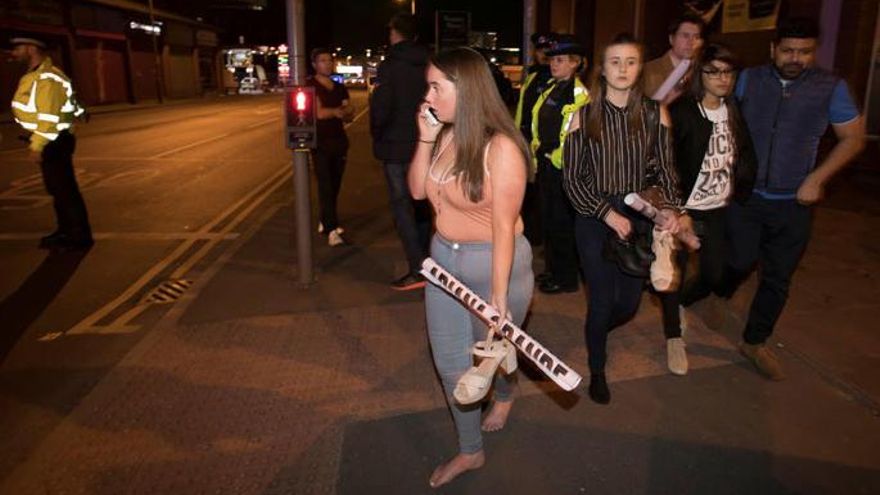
column 607, row 155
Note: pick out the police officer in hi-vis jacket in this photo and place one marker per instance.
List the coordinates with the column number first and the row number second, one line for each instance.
column 45, row 105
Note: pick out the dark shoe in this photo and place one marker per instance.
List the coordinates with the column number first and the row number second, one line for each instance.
column 543, row 277
column 764, row 359
column 73, row 247
column 599, row 389
column 410, row 281
column 551, row 287
column 50, row 240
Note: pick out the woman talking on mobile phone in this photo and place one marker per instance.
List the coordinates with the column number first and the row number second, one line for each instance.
column 473, row 168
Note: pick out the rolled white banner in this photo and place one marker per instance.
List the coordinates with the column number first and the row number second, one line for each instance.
column 671, row 80
column 544, row 360
column 634, row 201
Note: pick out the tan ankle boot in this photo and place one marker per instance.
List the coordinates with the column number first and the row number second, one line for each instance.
column 764, row 359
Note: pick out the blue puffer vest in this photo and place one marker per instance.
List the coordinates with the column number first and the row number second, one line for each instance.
column 786, row 125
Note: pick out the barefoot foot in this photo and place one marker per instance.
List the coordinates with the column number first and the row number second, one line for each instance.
column 457, row 465
column 497, row 417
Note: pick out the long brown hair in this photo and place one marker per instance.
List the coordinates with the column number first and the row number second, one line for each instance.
column 479, row 114
column 599, row 89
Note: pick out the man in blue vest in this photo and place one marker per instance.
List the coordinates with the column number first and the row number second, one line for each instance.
column 788, row 105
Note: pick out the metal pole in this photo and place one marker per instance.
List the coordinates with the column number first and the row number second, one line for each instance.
column 296, row 40
column 528, row 29
column 160, row 74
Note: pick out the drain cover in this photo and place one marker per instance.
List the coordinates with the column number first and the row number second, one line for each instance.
column 168, row 291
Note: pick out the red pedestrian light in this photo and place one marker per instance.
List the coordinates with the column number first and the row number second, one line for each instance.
column 300, row 110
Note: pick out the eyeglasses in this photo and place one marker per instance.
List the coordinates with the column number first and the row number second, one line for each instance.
column 718, row 74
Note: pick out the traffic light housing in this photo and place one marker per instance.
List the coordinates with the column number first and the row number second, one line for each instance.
column 299, row 103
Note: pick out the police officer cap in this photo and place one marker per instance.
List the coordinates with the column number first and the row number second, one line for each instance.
column 543, row 40
column 565, row 44
column 27, row 41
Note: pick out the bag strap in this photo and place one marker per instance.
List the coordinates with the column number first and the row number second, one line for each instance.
column 652, row 167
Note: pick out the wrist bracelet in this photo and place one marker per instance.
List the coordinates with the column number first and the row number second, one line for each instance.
column 429, row 142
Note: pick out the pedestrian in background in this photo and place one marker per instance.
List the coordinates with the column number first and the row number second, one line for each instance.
column 619, row 144
column 45, row 105
column 685, row 40
column 788, row 105
column 331, row 152
column 396, row 98
column 715, row 162
column 473, row 168
column 551, row 117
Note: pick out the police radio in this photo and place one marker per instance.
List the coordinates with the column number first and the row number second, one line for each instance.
column 300, row 110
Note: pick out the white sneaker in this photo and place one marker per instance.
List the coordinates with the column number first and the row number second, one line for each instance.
column 683, row 319
column 321, row 229
column 335, row 238
column 676, row 357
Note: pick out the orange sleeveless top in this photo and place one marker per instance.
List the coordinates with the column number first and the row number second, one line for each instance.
column 459, row 219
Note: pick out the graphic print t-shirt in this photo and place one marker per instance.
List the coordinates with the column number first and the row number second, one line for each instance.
column 713, row 186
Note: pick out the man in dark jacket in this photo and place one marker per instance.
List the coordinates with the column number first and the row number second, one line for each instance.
column 400, row 89
column 787, row 105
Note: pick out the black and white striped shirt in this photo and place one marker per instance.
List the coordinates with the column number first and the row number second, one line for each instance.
column 595, row 170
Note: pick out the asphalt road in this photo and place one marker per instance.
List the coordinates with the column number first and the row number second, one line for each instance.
column 167, row 188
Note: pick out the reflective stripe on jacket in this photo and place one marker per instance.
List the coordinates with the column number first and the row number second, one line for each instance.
column 45, row 104
column 519, row 105
column 581, row 98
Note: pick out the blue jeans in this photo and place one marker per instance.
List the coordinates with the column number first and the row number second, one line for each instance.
column 453, row 330
column 411, row 218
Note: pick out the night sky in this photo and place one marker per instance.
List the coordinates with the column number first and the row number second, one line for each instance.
column 352, row 24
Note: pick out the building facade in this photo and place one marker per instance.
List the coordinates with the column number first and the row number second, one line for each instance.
column 116, row 51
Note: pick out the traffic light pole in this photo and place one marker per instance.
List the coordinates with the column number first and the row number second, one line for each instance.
column 303, row 222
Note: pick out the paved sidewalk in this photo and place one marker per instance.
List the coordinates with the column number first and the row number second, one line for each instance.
column 252, row 385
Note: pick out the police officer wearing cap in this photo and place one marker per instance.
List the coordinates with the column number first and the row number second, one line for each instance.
column 551, row 118
column 536, row 81
column 45, row 105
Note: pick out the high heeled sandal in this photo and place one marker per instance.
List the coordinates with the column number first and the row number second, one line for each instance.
column 475, row 383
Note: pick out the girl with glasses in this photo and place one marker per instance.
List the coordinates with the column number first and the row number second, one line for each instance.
column 716, row 164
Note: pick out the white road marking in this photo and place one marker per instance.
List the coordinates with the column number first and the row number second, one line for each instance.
column 356, row 117
column 191, row 145
column 89, row 322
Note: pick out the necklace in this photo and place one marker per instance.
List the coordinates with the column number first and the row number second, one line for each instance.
column 444, row 178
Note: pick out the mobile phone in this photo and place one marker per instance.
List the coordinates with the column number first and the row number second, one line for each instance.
column 431, row 118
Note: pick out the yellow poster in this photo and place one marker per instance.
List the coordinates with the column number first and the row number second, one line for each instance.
column 749, row 15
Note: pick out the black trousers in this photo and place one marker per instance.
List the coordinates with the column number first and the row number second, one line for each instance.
column 613, row 296
column 56, row 165
column 710, row 226
column 773, row 234
column 329, row 161
column 557, row 220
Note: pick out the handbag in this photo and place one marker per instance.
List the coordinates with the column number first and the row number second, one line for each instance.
column 633, row 256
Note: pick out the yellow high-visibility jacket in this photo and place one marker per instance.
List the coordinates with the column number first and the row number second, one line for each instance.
column 45, row 104
column 581, row 98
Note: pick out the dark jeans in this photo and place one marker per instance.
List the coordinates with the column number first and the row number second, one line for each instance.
column 412, row 218
column 613, row 297
column 710, row 226
column 329, row 162
column 774, row 234
column 557, row 219
column 60, row 181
